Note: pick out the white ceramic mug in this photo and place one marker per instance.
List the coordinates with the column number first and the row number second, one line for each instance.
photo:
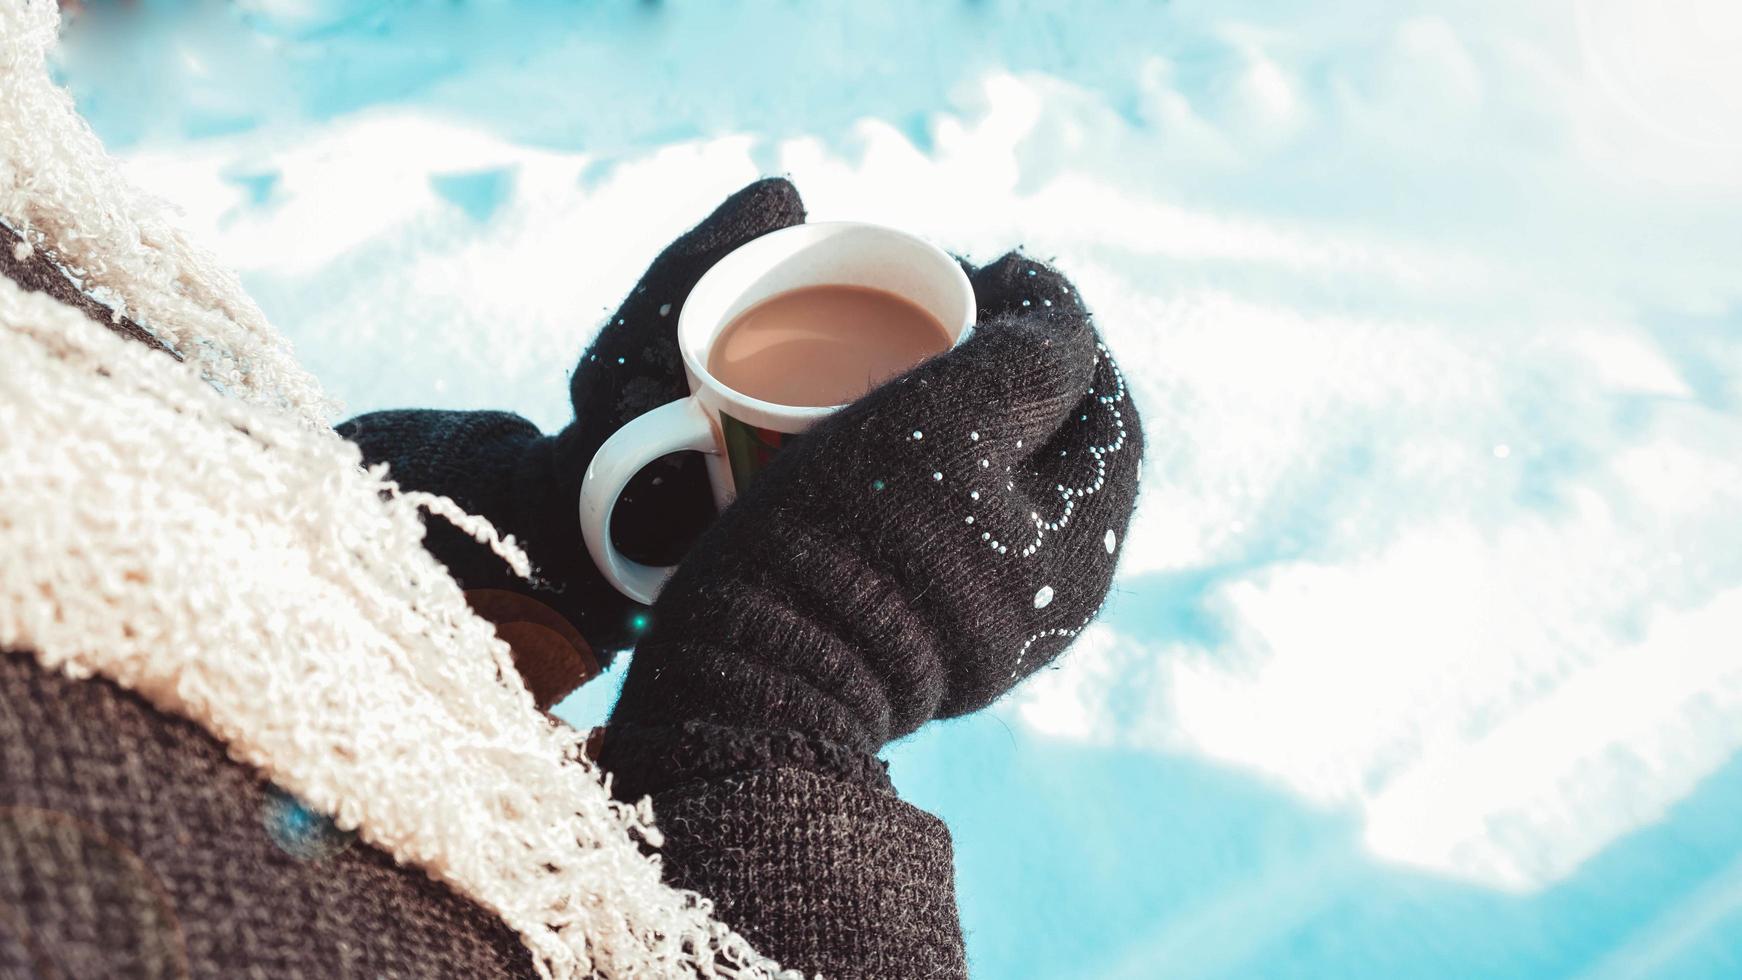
column 740, row 433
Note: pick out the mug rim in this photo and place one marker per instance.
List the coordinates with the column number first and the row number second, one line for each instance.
column 690, row 348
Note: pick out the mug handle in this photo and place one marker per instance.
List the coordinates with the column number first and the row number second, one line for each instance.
column 670, row 428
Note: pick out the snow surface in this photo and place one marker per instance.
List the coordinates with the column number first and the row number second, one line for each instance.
column 1424, row 656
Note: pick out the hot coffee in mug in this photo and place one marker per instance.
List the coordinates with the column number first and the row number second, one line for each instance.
column 780, row 333
column 824, row 345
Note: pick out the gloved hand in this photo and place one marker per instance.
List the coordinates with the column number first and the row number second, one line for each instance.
column 500, row 466
column 913, row 556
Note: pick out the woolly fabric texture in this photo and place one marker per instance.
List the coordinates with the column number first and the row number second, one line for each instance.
column 37, row 273
column 195, row 533
column 131, row 847
column 937, row 541
column 875, row 907
column 244, row 572
column 649, row 760
column 61, row 193
column 805, row 844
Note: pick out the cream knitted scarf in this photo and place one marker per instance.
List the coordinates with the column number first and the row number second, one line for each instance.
column 195, row 532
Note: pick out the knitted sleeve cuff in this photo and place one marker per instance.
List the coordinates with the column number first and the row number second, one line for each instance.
column 802, row 845
column 646, row 759
column 829, row 876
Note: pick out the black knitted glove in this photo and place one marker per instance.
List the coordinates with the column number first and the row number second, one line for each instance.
column 500, row 466
column 912, row 557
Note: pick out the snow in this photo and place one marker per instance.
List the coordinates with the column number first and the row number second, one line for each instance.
column 1429, row 612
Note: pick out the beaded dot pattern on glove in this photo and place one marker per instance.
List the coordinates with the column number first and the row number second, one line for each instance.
column 918, row 553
